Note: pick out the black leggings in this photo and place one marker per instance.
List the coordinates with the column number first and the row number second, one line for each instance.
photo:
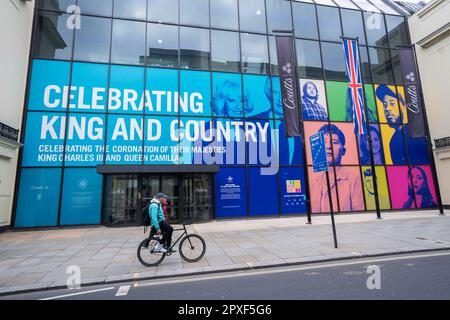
column 166, row 230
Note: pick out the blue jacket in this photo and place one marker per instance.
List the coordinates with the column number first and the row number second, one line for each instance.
column 156, row 213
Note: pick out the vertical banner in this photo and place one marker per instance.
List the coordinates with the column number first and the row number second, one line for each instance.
column 355, row 87
column 412, row 93
column 288, row 81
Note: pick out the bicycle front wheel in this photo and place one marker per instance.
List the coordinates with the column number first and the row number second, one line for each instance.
column 192, row 248
column 147, row 255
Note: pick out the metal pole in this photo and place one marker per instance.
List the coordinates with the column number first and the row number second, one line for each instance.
column 331, row 210
column 369, row 137
column 303, row 139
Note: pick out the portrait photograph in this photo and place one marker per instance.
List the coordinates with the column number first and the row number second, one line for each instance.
column 393, row 144
column 399, row 187
column 369, row 187
column 259, row 92
column 377, row 146
column 314, row 100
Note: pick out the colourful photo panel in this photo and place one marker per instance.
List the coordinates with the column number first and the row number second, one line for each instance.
column 393, row 144
column 369, row 189
column 399, row 185
column 349, row 189
column 388, row 104
column 377, row 147
column 319, row 192
column 314, row 100
column 339, row 109
column 424, row 188
column 371, row 102
column 341, row 148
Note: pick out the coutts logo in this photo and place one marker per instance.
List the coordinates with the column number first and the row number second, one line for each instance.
column 413, row 103
column 288, row 85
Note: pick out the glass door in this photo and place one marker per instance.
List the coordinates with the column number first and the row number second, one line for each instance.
column 197, row 197
column 122, row 200
column 170, row 185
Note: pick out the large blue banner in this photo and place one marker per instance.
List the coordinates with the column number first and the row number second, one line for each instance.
column 148, row 116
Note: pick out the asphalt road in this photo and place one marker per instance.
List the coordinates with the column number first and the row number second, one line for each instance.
column 421, row 276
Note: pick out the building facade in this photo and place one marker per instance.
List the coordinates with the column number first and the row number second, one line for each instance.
column 430, row 33
column 127, row 98
column 18, row 16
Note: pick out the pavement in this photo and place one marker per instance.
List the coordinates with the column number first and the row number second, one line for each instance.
column 39, row 260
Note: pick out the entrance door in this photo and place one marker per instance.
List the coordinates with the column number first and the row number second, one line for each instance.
column 197, row 197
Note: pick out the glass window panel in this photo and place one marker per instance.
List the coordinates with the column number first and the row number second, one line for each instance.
column 396, row 67
column 375, row 29
column 366, row 6
column 305, row 20
column 329, row 23
column 325, row 2
column 194, row 48
column 333, row 61
column 82, row 197
column 132, row 9
column 255, row 54
column 191, row 12
column 53, row 40
column 98, row 7
column 92, row 40
column 225, row 53
column 397, row 33
column 165, row 11
column 308, row 1
column 365, row 65
column 308, row 59
column 346, row 4
column 224, row 14
column 273, row 55
column 381, row 65
column 162, row 43
column 279, row 15
column 60, row 5
column 352, row 24
column 128, row 42
column 252, row 15
column 384, row 7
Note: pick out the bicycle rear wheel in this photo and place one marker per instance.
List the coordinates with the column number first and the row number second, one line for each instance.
column 146, row 254
column 192, row 248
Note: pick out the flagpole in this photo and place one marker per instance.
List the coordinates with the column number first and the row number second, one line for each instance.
column 369, row 136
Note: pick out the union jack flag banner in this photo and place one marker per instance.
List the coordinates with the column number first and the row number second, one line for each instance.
column 355, row 87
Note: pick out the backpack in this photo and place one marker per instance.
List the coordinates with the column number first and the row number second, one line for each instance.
column 146, row 221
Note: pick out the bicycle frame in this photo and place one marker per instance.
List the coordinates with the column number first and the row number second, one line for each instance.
column 185, row 233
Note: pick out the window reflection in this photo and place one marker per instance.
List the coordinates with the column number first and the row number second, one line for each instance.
column 97, row 7
column 252, row 15
column 375, row 29
column 353, row 26
column 92, row 40
column 381, row 65
column 191, row 12
column 224, row 14
column 397, row 33
column 162, row 44
column 396, row 67
column 225, row 53
column 365, row 65
column 165, row 11
column 305, row 21
column 53, row 39
column 128, row 42
column 308, row 59
column 194, row 48
column 255, row 56
column 279, row 15
column 58, row 5
column 131, row 9
column 333, row 61
column 329, row 23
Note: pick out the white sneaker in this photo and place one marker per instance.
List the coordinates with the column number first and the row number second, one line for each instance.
column 160, row 248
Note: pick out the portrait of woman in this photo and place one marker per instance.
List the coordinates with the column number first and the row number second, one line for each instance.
column 418, row 185
column 376, row 147
column 228, row 101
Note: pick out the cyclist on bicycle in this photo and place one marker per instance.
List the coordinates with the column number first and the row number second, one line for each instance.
column 159, row 223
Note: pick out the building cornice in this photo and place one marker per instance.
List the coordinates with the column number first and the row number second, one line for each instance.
column 8, row 148
column 430, row 7
column 435, row 37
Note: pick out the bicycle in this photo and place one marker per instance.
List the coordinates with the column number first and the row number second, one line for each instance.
column 192, row 248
